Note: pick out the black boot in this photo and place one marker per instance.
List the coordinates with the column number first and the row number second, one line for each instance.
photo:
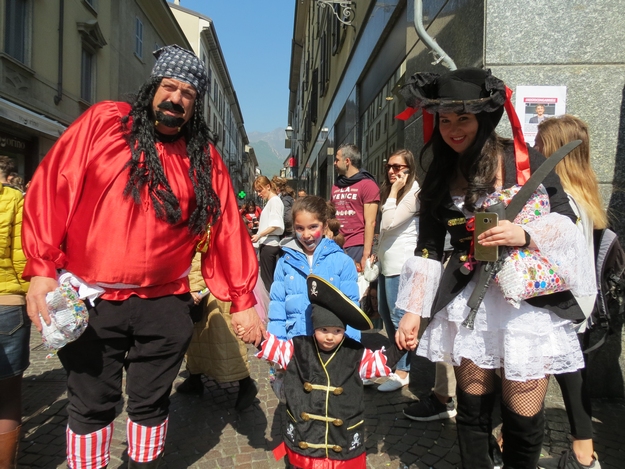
column 474, row 425
column 247, row 392
column 144, row 465
column 192, row 385
column 522, row 439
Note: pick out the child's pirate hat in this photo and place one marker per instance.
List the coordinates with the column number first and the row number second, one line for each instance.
column 332, row 308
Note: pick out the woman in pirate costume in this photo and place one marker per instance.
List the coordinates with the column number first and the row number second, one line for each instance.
column 528, row 343
column 323, row 383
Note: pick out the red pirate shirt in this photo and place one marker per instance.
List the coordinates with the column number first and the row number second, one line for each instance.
column 76, row 218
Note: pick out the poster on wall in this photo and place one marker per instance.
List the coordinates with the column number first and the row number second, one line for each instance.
column 537, row 103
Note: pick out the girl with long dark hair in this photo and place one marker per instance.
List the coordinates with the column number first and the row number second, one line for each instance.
column 527, row 343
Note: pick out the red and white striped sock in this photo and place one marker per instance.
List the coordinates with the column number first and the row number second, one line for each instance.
column 90, row 451
column 145, row 444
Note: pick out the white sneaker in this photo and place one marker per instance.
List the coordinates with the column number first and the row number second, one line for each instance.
column 393, row 383
column 368, row 382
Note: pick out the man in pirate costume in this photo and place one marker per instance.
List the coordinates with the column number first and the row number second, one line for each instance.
column 323, row 384
column 123, row 201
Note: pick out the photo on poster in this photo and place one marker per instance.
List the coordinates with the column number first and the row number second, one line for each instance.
column 537, row 103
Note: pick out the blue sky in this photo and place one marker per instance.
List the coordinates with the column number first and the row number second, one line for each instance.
column 255, row 37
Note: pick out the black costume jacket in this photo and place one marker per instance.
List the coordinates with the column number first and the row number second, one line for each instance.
column 325, row 402
column 432, row 231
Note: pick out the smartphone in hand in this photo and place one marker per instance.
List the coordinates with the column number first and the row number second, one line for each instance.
column 484, row 221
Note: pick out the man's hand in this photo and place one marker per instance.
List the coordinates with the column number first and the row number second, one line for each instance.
column 36, row 299
column 370, row 214
column 407, row 331
column 248, row 326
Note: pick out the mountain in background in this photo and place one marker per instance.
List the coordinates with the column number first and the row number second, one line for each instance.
column 270, row 151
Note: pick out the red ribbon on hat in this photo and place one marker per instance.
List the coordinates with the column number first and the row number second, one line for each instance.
column 406, row 113
column 521, row 154
column 428, row 121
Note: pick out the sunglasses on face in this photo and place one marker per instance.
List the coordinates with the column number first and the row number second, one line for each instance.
column 396, row 167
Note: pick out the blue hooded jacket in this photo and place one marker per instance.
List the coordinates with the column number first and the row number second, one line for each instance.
column 289, row 308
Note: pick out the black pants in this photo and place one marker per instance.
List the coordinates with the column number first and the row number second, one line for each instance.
column 268, row 258
column 577, row 403
column 148, row 337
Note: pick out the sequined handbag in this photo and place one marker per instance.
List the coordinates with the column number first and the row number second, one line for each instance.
column 525, row 272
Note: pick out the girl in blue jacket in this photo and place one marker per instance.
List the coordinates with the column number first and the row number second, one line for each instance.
column 308, row 252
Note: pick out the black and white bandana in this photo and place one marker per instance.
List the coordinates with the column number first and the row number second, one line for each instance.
column 178, row 63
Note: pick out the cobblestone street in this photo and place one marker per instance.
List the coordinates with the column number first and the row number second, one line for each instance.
column 208, row 433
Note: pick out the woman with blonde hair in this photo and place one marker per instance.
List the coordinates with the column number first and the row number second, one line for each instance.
column 287, row 195
column 576, row 174
column 580, row 183
column 270, row 227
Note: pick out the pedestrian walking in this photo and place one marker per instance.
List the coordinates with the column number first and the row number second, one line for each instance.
column 14, row 322
column 270, row 227
column 123, row 201
column 251, row 215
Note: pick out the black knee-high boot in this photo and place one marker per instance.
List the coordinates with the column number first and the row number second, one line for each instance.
column 474, row 429
column 522, row 439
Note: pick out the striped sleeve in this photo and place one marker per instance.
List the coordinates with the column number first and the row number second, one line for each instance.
column 276, row 350
column 373, row 364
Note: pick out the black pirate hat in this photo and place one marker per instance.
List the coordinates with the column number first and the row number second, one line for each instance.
column 332, row 308
column 467, row 90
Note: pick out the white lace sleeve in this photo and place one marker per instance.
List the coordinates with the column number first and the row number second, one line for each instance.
column 564, row 244
column 418, row 284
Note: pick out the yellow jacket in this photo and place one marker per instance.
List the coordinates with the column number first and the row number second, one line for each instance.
column 12, row 259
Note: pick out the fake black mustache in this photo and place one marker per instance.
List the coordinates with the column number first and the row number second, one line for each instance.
column 169, row 106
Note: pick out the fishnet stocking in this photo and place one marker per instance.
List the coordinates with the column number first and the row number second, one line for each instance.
column 474, row 380
column 523, row 398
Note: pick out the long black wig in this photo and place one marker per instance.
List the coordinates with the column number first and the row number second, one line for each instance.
column 145, row 168
column 478, row 165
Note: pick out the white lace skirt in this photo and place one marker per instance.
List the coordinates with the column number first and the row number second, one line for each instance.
column 528, row 343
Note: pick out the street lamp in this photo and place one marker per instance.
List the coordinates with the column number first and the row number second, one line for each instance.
column 324, row 133
column 289, row 132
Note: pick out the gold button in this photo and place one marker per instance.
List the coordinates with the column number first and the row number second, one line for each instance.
column 338, row 391
column 337, row 448
column 305, row 417
column 303, row 445
column 308, row 387
column 463, row 258
column 337, row 422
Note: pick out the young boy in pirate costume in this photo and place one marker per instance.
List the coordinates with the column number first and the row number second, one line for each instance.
column 323, row 383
